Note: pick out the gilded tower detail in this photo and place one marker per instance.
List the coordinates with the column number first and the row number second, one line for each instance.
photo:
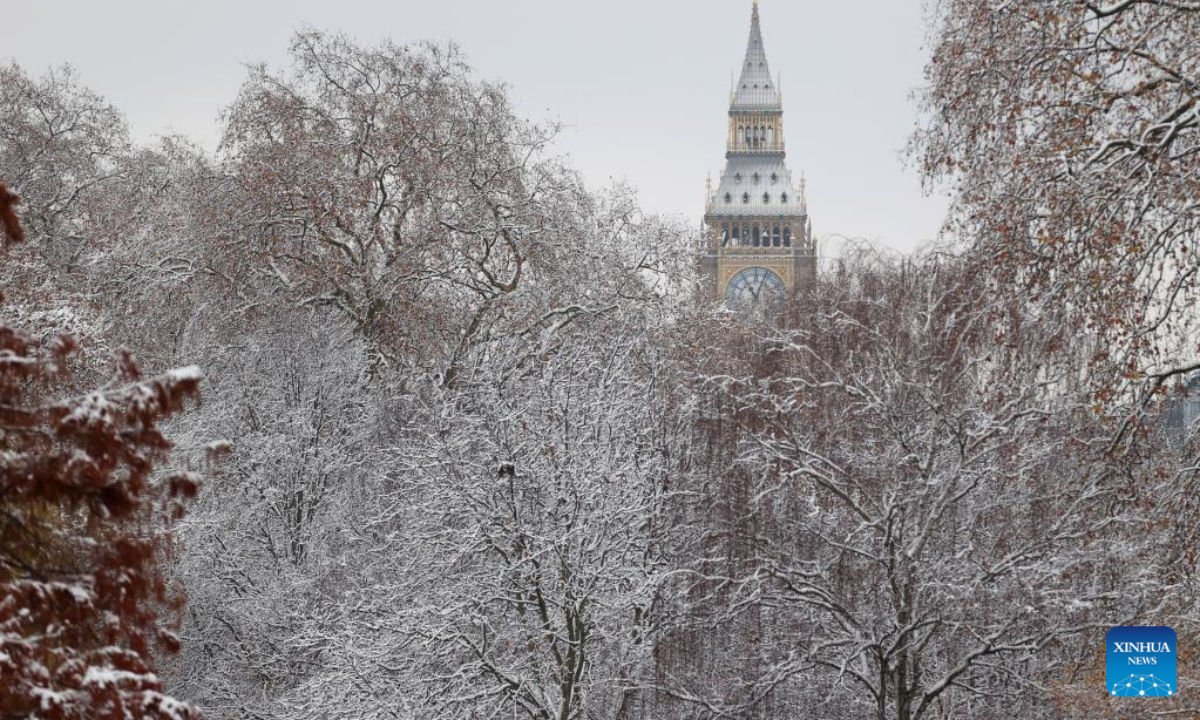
column 759, row 239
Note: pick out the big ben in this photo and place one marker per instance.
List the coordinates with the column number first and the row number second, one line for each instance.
column 758, row 236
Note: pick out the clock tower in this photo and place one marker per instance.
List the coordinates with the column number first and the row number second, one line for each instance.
column 758, row 236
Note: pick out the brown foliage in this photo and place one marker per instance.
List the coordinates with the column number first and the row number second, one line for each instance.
column 8, row 216
column 82, row 594
column 1070, row 134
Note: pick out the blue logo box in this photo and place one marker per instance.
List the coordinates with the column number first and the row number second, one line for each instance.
column 1140, row 662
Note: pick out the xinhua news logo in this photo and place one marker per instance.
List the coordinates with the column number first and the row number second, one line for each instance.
column 1140, row 662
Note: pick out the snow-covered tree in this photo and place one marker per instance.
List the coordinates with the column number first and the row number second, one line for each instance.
column 538, row 490
column 392, row 185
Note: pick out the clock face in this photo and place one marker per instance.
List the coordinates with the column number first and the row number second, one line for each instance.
column 754, row 285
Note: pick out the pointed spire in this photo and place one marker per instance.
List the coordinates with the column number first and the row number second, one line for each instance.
column 755, row 88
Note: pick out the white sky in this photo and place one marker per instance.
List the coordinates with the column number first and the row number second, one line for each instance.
column 642, row 84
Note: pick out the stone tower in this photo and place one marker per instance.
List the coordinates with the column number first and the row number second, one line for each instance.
column 759, row 240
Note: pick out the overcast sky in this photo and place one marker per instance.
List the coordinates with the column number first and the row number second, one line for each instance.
column 641, row 84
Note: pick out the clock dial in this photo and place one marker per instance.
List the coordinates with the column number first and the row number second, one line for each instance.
column 754, row 284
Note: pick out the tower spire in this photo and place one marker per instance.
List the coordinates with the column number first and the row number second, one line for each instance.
column 755, row 88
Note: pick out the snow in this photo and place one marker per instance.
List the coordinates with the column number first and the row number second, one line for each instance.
column 93, row 409
column 108, row 677
column 191, row 372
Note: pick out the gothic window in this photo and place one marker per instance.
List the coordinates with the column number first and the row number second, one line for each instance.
column 757, row 236
column 746, row 234
column 755, row 178
column 745, row 197
column 735, row 234
column 783, row 198
column 774, row 178
column 737, row 177
column 766, row 198
column 728, row 198
column 787, row 236
column 775, row 236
